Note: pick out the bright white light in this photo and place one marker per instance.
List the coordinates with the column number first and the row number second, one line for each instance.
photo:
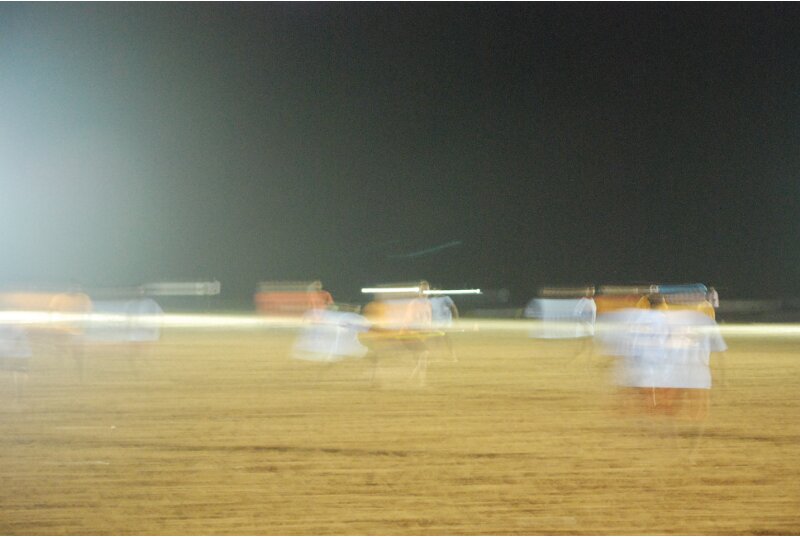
column 453, row 292
column 196, row 320
column 24, row 317
column 378, row 290
column 211, row 321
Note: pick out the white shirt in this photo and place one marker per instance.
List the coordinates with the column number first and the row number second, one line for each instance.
column 693, row 336
column 331, row 336
column 662, row 349
column 441, row 314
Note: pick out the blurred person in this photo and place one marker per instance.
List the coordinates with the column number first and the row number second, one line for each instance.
column 128, row 327
column 318, row 298
column 143, row 314
column 15, row 357
column 443, row 312
column 418, row 314
column 713, row 297
column 664, row 367
column 331, row 335
column 401, row 312
column 401, row 322
column 62, row 324
column 564, row 313
column 68, row 334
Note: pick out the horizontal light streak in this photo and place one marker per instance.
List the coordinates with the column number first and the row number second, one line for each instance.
column 240, row 321
column 391, row 290
column 378, row 290
column 453, row 292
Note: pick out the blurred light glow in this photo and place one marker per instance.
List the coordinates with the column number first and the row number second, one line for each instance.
column 182, row 288
column 372, row 290
column 378, row 290
column 200, row 320
column 452, row 292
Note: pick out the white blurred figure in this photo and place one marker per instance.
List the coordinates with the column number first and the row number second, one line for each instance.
column 330, row 336
column 638, row 338
column 713, row 297
column 127, row 327
column 443, row 312
column 693, row 336
column 145, row 314
column 664, row 367
column 15, row 357
column 62, row 326
column 125, row 321
column 562, row 318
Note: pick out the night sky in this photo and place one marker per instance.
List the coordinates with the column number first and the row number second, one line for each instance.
column 537, row 143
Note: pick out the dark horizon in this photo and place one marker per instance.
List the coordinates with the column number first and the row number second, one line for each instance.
column 480, row 145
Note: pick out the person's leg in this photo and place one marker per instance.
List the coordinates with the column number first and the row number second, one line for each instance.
column 421, row 369
column 449, row 344
column 698, row 405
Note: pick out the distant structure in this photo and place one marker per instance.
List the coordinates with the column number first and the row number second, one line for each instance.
column 685, row 296
column 182, row 288
column 617, row 297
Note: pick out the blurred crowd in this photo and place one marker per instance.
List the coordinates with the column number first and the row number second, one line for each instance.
column 661, row 337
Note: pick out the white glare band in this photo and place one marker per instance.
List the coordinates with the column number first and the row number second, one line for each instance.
column 453, row 292
column 250, row 321
column 378, row 290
